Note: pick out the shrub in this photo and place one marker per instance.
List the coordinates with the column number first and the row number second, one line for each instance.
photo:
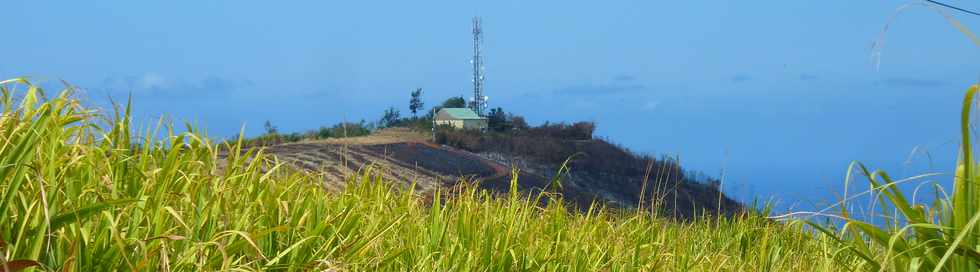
column 553, row 143
column 339, row 130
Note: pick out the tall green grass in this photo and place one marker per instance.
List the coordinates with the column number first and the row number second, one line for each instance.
column 941, row 236
column 82, row 191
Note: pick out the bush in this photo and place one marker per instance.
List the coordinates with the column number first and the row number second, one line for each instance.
column 553, row 143
column 339, row 130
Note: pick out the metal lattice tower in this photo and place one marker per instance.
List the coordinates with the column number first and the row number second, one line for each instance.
column 479, row 101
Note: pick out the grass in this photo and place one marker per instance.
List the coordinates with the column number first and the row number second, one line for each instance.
column 941, row 236
column 82, row 191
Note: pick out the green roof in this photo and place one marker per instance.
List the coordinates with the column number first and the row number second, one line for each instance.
column 460, row 113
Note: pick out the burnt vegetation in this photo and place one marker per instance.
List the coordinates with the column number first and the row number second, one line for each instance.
column 553, row 143
column 594, row 164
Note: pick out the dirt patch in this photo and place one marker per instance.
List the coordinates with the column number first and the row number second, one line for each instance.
column 401, row 155
column 441, row 161
column 384, row 136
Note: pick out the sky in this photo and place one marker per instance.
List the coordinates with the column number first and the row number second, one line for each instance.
column 776, row 97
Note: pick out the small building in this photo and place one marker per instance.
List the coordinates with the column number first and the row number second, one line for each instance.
column 460, row 118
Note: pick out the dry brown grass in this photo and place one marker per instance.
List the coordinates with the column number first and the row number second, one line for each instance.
column 384, row 136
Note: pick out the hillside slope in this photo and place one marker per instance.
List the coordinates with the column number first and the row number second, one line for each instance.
column 404, row 156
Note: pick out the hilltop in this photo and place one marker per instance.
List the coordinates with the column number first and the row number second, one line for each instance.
column 596, row 171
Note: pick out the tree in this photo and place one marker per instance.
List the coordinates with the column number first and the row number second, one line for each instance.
column 390, row 117
column 323, row 133
column 583, row 130
column 270, row 129
column 415, row 104
column 454, row 102
column 497, row 120
column 518, row 122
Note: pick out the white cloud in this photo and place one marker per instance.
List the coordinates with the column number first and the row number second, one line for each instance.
column 583, row 104
column 650, row 105
column 157, row 84
column 151, row 81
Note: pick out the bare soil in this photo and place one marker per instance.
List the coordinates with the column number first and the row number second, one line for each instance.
column 400, row 155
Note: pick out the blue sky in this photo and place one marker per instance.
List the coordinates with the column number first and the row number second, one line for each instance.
column 782, row 95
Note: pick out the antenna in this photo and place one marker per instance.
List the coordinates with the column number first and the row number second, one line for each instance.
column 478, row 102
